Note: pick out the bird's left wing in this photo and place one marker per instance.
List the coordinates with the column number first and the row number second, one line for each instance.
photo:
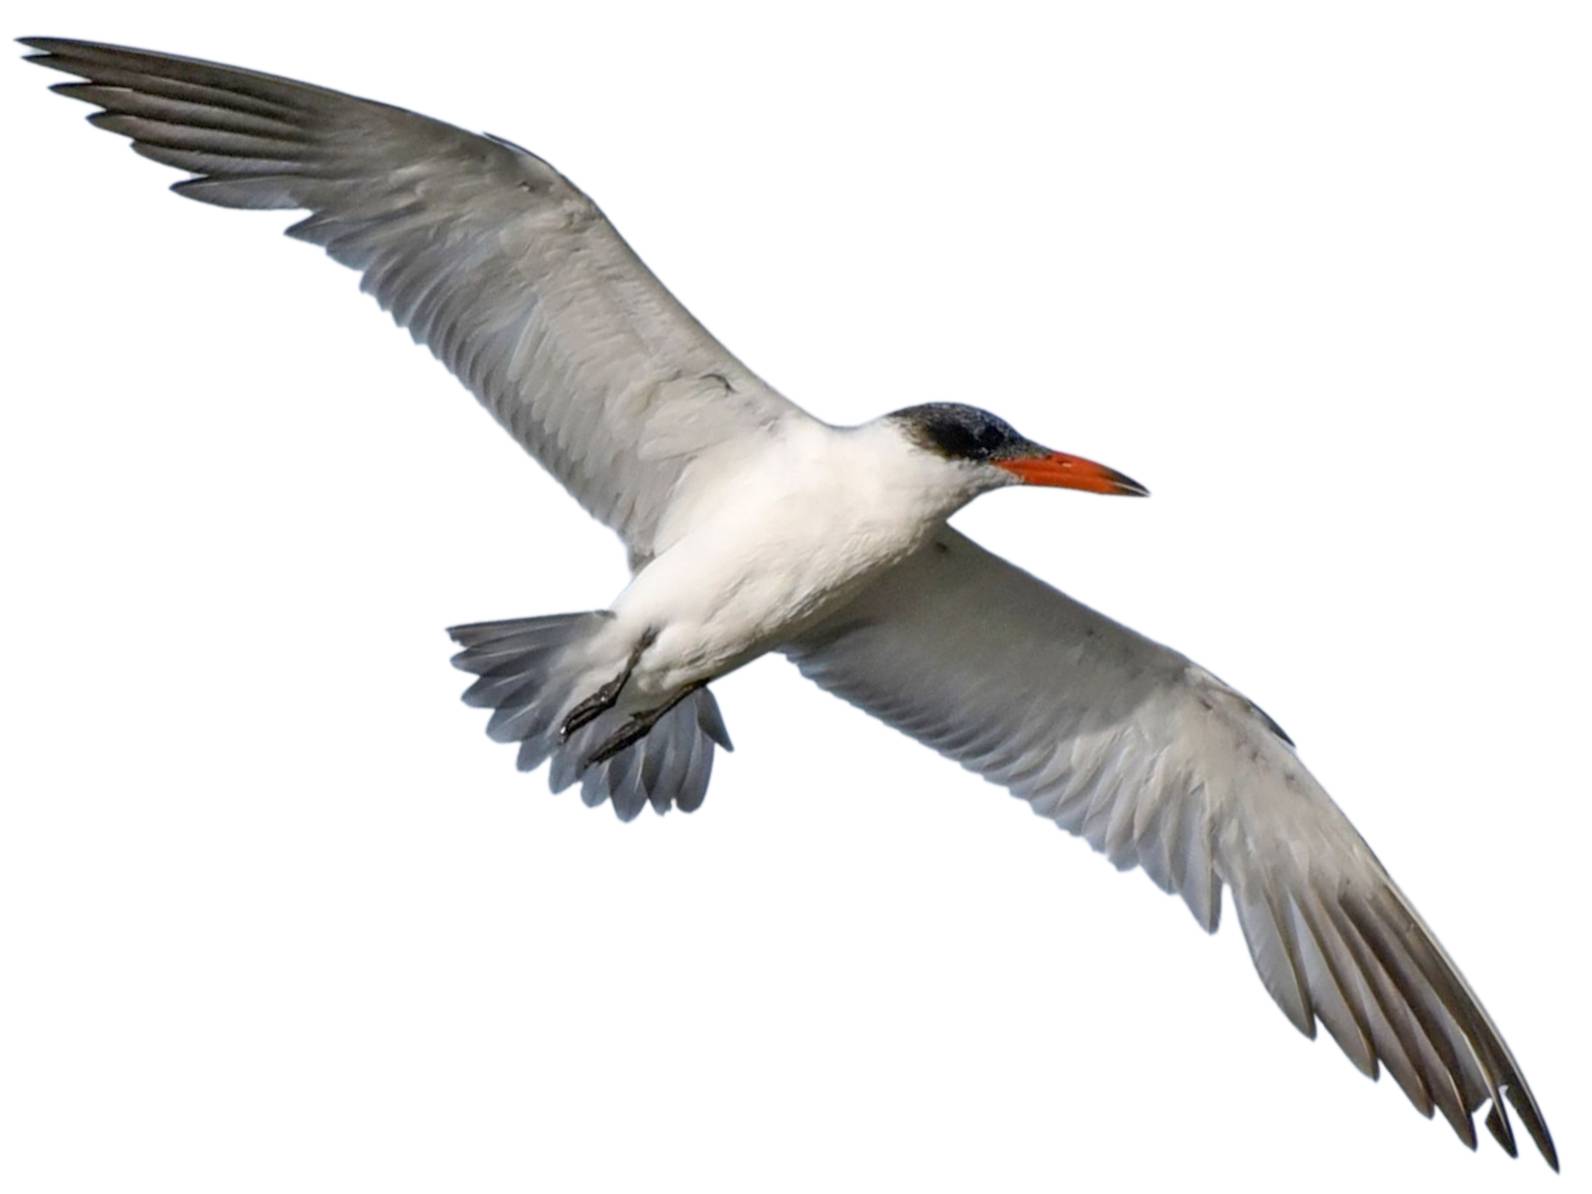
column 489, row 256
column 1158, row 764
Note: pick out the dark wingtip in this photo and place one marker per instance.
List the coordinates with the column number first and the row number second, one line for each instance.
column 1498, row 1124
column 1520, row 1098
column 49, row 52
column 44, row 46
column 54, row 45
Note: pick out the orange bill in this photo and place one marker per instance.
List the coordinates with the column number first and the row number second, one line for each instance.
column 1071, row 472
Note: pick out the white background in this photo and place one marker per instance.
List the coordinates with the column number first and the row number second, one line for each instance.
column 275, row 914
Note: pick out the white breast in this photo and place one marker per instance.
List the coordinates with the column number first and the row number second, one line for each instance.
column 775, row 540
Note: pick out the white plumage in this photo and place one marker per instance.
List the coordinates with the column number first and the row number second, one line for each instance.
column 753, row 527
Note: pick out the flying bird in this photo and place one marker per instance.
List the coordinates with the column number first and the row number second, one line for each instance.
column 753, row 527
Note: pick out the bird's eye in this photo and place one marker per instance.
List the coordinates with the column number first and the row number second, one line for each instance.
column 955, row 439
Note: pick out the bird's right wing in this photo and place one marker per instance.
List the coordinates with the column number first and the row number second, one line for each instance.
column 1159, row 764
column 489, row 256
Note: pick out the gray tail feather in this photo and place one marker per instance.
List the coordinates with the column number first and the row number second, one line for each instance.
column 519, row 677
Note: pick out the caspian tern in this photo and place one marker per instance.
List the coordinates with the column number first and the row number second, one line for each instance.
column 753, row 528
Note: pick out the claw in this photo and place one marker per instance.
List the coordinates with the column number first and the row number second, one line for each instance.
column 604, row 699
column 634, row 730
column 594, row 706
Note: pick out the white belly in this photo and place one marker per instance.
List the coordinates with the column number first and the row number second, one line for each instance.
column 760, row 558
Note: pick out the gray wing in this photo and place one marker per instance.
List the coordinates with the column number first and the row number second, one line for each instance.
column 492, row 259
column 1160, row 765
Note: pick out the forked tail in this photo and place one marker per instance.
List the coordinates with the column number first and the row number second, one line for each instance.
column 528, row 671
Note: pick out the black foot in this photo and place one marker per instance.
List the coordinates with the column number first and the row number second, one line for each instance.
column 595, row 705
column 634, row 730
column 604, row 698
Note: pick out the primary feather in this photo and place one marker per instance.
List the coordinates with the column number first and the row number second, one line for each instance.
column 484, row 252
column 840, row 557
column 1160, row 765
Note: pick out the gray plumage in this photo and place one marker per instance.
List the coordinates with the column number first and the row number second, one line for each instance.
column 521, row 678
column 514, row 279
column 509, row 275
column 1159, row 765
column 486, row 254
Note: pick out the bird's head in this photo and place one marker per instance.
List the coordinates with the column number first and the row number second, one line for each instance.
column 995, row 455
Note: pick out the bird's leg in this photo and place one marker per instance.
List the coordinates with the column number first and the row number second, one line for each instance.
column 603, row 699
column 635, row 729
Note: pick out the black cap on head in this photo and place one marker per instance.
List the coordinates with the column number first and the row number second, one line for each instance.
column 960, row 432
column 966, row 433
